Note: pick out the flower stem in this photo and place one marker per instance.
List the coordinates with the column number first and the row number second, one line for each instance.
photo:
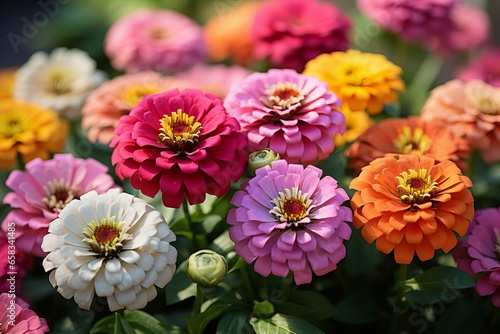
column 198, row 300
column 187, row 215
column 399, row 309
column 246, row 282
column 287, row 284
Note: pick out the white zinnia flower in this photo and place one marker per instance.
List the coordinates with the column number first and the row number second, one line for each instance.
column 114, row 245
column 59, row 81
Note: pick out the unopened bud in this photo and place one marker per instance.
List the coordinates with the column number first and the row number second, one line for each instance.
column 260, row 159
column 206, row 268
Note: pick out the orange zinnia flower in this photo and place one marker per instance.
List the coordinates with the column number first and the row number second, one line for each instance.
column 30, row 131
column 411, row 204
column 7, row 80
column 408, row 136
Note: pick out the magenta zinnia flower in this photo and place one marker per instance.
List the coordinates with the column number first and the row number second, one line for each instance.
column 289, row 219
column 24, row 320
column 44, row 189
column 179, row 143
column 290, row 113
column 486, row 67
column 291, row 32
column 152, row 39
column 479, row 252
column 19, row 262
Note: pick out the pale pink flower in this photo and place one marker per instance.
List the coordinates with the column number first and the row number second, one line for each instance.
column 154, row 39
column 17, row 318
column 44, row 189
column 292, row 114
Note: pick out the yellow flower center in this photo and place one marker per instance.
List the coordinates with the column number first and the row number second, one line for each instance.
column 13, row 122
column 352, row 73
column 412, row 143
column 58, row 82
column 416, row 187
column 179, row 131
column 483, row 97
column 158, row 33
column 58, row 194
column 106, row 238
column 292, row 207
column 134, row 93
column 282, row 95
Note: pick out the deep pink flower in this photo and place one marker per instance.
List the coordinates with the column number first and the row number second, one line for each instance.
column 290, row 113
column 12, row 260
column 42, row 191
column 179, row 143
column 470, row 29
column 411, row 20
column 289, row 219
column 479, row 252
column 17, row 318
column 486, row 67
column 153, row 39
column 291, row 32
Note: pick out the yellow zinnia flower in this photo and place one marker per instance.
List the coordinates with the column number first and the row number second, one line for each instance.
column 365, row 81
column 7, row 80
column 356, row 123
column 28, row 130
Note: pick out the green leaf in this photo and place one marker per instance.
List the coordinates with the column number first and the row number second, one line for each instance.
column 283, row 324
column 233, row 322
column 197, row 323
column 239, row 264
column 145, row 322
column 222, row 244
column 207, row 225
column 122, row 326
column 104, row 325
column 321, row 306
column 180, row 287
column 439, row 278
column 357, row 308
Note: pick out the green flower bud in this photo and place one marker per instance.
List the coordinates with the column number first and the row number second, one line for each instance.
column 260, row 159
column 206, row 268
column 264, row 308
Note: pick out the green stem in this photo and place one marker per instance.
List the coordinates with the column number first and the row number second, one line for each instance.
column 287, row 284
column 246, row 282
column 198, row 300
column 403, row 270
column 187, row 215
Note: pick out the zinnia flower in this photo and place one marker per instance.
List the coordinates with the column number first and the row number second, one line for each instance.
column 17, row 318
column 472, row 110
column 479, row 252
column 486, row 67
column 215, row 79
column 408, row 136
column 7, row 81
column 179, row 143
column 29, row 131
column 357, row 122
column 290, row 113
column 44, row 189
column 60, row 81
column 153, row 39
column 411, row 20
column 361, row 80
column 113, row 245
column 411, row 204
column 288, row 218
column 291, row 32
column 12, row 260
column 227, row 34
column 115, row 98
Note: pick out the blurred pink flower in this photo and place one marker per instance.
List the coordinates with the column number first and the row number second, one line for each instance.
column 44, row 189
column 291, row 32
column 18, row 262
column 215, row 79
column 289, row 219
column 479, row 252
column 116, row 98
column 470, row 29
column 17, row 318
column 485, row 67
column 411, row 20
column 153, row 39
column 180, row 143
column 292, row 114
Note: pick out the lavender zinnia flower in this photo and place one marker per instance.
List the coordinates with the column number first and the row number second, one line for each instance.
column 289, row 219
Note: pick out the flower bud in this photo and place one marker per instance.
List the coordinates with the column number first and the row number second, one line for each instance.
column 206, row 268
column 260, row 159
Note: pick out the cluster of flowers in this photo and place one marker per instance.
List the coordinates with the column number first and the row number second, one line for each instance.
column 183, row 129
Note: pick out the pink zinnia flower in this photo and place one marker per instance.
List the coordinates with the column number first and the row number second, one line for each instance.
column 151, row 39
column 115, row 98
column 179, row 143
column 291, row 32
column 215, row 79
column 17, row 318
column 411, row 20
column 470, row 29
column 17, row 263
column 485, row 67
column 44, row 189
column 290, row 219
column 479, row 252
column 290, row 113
